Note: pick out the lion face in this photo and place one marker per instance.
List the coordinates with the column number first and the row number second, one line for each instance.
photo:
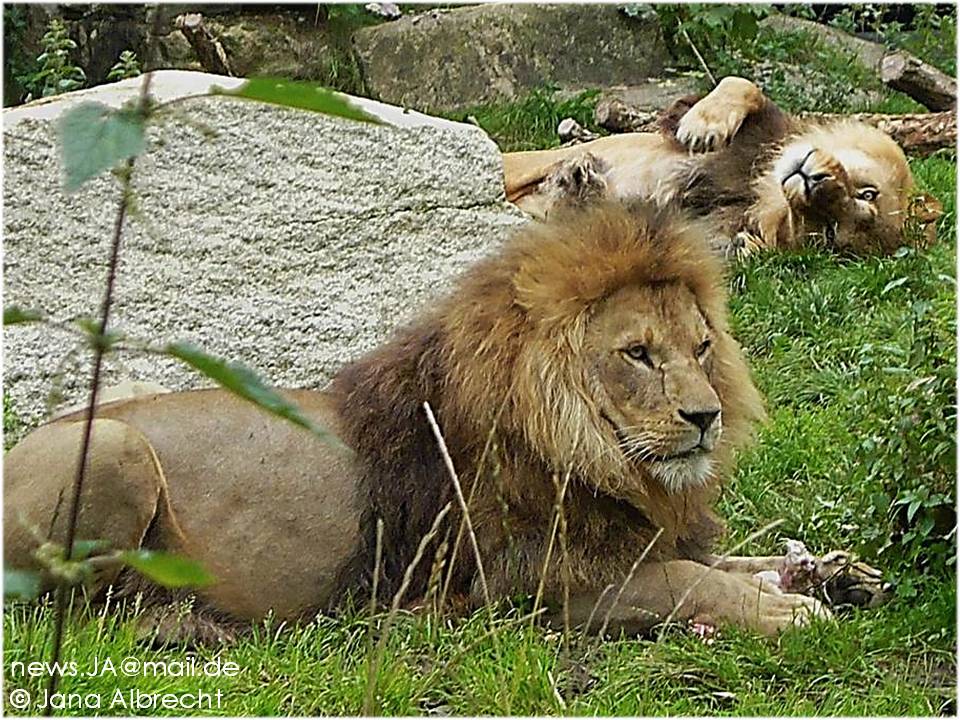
column 649, row 361
column 848, row 186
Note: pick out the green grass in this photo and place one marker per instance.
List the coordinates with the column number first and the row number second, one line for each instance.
column 13, row 426
column 531, row 123
column 836, row 346
column 857, row 361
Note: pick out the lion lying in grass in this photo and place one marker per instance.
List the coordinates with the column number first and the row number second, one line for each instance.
column 590, row 352
column 761, row 178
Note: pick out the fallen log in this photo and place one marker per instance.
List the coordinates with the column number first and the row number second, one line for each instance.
column 918, row 134
column 897, row 69
column 924, row 83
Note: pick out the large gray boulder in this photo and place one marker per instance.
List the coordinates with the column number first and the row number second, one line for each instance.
column 292, row 242
column 444, row 60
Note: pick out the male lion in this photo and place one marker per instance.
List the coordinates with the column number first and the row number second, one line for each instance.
column 593, row 349
column 763, row 179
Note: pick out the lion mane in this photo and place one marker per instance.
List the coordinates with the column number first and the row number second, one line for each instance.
column 499, row 359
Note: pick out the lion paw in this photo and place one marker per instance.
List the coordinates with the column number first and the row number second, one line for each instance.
column 737, row 248
column 846, row 581
column 578, row 179
column 777, row 612
column 707, row 126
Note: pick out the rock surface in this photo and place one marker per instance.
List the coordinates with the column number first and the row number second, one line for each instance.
column 292, row 242
column 444, row 60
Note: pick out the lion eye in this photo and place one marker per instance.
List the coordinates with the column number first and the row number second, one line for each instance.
column 703, row 347
column 639, row 353
column 868, row 194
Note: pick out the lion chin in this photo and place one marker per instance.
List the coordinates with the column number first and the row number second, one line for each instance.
column 681, row 474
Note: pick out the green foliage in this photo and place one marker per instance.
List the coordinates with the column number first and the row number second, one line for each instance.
column 17, row 65
column 94, row 138
column 13, row 426
column 56, row 73
column 305, row 96
column 346, row 12
column 711, row 27
column 864, row 18
column 800, row 71
column 531, row 123
column 932, row 36
column 898, row 660
column 166, row 569
column 126, row 67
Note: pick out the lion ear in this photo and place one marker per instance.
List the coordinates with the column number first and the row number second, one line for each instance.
column 924, row 208
column 923, row 211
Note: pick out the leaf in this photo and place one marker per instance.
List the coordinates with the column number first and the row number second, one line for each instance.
column 745, row 25
column 14, row 315
column 912, row 509
column 306, row 96
column 243, row 381
column 893, row 284
column 94, row 138
column 20, row 584
column 925, row 526
column 167, row 569
column 91, row 328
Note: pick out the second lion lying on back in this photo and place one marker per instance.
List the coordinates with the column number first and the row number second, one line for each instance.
column 761, row 178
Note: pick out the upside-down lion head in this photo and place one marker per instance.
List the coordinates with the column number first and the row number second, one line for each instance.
column 848, row 186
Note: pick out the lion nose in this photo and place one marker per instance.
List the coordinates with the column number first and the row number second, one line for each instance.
column 703, row 419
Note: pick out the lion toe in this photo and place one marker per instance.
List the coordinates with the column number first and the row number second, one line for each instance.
column 706, row 129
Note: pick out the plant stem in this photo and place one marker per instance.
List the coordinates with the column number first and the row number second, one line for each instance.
column 100, row 347
column 703, row 63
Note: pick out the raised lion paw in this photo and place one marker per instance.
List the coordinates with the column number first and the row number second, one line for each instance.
column 709, row 125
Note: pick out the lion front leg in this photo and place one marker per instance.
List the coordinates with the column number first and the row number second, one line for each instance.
column 745, row 564
column 713, row 121
column 681, row 590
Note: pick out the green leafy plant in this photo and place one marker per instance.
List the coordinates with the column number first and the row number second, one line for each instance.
column 17, row 64
column 57, row 74
column 867, row 18
column 705, row 28
column 126, row 67
column 932, row 36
